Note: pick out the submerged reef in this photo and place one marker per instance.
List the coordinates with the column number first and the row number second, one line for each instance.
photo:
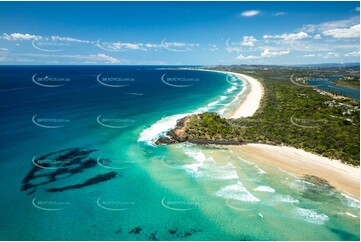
column 61, row 165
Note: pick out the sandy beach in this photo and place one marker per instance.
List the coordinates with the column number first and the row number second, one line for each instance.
column 251, row 102
column 293, row 160
column 297, row 161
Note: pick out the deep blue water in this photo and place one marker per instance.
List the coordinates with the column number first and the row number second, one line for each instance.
column 78, row 163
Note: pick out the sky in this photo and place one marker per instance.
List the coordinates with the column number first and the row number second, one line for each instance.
column 179, row 33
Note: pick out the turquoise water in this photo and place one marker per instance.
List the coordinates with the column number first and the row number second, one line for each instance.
column 85, row 167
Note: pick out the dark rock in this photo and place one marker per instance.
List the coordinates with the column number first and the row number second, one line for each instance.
column 172, row 231
column 165, row 141
column 136, row 230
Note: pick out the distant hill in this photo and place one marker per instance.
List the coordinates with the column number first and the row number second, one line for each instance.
column 321, row 65
column 328, row 65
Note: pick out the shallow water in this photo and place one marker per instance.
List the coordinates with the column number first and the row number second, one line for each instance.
column 100, row 177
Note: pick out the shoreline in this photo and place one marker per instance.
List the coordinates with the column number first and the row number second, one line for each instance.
column 297, row 161
column 300, row 162
column 250, row 101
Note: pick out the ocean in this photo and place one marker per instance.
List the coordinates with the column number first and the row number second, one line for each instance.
column 79, row 163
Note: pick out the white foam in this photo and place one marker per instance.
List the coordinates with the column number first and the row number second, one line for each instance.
column 351, row 202
column 162, row 126
column 311, row 216
column 213, row 103
column 265, row 189
column 196, row 154
column 260, row 171
column 235, row 99
column 237, row 192
column 206, row 167
column 159, row 128
column 198, row 157
column 231, row 89
column 225, row 174
column 351, row 215
column 287, row 199
column 245, row 161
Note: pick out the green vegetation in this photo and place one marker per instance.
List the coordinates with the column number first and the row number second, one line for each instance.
column 348, row 81
column 290, row 114
column 210, row 126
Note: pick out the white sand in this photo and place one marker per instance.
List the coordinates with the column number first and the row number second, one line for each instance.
column 251, row 102
column 298, row 161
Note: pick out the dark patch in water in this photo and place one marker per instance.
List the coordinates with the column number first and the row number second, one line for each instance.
column 92, row 181
column 135, row 230
column 317, row 189
column 60, row 165
column 153, row 236
column 165, row 234
column 344, row 235
column 183, row 234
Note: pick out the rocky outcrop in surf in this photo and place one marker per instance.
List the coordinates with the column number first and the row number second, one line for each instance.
column 190, row 129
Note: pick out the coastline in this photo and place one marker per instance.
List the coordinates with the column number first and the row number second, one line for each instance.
column 290, row 159
column 297, row 161
column 250, row 101
column 300, row 162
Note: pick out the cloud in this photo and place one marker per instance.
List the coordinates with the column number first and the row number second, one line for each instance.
column 352, row 32
column 68, row 39
column 3, row 49
column 242, row 57
column 129, row 46
column 319, row 28
column 357, row 9
column 292, row 36
column 267, row 53
column 250, row 13
column 124, row 46
column 77, row 59
column 279, row 14
column 18, row 36
column 330, row 54
column 323, row 55
column 317, row 36
column 178, row 46
column 248, row 41
column 309, row 55
column 354, row 54
column 212, row 47
column 106, row 58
